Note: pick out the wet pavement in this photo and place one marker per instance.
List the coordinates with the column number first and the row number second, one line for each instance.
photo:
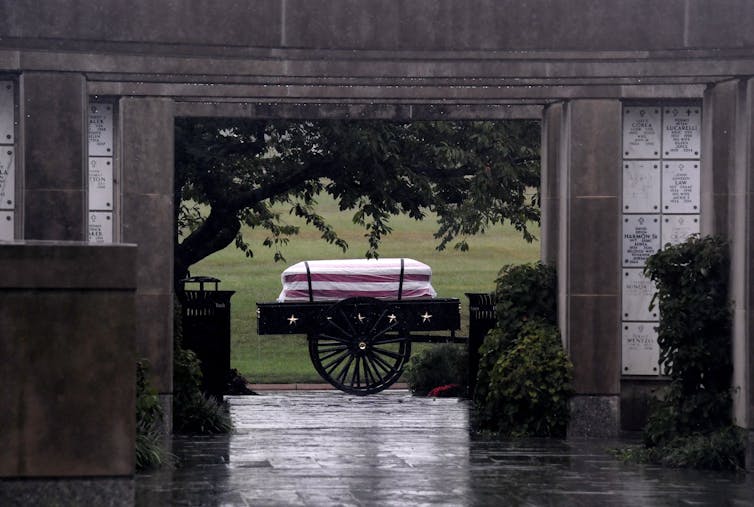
column 327, row 448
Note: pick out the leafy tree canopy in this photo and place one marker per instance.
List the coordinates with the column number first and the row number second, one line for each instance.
column 470, row 174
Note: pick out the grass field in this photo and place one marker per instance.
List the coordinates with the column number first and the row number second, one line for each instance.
column 272, row 359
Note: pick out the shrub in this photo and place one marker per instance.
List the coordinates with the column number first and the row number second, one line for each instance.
column 523, row 293
column 694, row 338
column 529, row 386
column 149, row 422
column 436, row 366
column 722, row 449
column 692, row 426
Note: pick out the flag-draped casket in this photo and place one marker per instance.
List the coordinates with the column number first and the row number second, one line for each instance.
column 332, row 280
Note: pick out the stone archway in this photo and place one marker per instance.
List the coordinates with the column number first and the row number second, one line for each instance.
column 573, row 64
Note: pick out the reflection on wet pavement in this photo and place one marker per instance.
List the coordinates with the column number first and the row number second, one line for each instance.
column 328, row 448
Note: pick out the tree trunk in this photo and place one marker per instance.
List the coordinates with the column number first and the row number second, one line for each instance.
column 218, row 231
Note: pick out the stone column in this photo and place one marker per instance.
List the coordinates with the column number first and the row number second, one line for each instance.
column 147, row 219
column 550, row 184
column 729, row 112
column 588, row 260
column 53, row 132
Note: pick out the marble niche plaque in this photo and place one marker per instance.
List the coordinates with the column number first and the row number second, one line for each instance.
column 7, row 177
column 641, row 238
column 677, row 228
column 641, row 354
column 100, row 129
column 680, row 187
column 641, row 132
column 637, row 294
column 6, row 226
column 100, row 183
column 681, row 132
column 100, row 227
column 7, row 113
column 641, row 186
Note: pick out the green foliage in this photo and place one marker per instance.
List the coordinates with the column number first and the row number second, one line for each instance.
column 691, row 426
column 529, row 386
column 149, row 422
column 722, row 449
column 470, row 174
column 495, row 344
column 193, row 411
column 694, row 338
column 523, row 293
column 436, row 366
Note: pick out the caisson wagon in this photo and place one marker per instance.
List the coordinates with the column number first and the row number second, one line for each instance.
column 360, row 317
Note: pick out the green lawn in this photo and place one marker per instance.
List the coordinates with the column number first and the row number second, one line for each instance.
column 271, row 359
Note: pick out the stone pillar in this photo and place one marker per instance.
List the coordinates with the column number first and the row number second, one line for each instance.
column 53, row 132
column 147, row 219
column 588, row 260
column 69, row 374
column 729, row 112
column 550, row 184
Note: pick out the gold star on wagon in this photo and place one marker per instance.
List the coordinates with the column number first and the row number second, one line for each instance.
column 292, row 320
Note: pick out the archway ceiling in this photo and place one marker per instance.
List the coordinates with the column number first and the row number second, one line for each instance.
column 426, row 54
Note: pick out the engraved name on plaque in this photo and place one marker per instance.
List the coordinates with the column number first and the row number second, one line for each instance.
column 641, row 186
column 641, row 354
column 6, row 226
column 641, row 238
column 677, row 228
column 641, row 132
column 7, row 177
column 681, row 132
column 100, row 130
column 100, row 227
column 637, row 294
column 680, row 187
column 7, row 113
column 100, row 183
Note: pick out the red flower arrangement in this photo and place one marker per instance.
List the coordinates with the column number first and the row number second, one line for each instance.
column 446, row 391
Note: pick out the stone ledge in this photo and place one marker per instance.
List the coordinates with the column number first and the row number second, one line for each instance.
column 111, row 491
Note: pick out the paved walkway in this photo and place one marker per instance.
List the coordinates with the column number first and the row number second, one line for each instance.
column 326, row 448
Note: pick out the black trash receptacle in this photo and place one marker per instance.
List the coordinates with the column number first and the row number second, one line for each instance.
column 205, row 313
column 481, row 320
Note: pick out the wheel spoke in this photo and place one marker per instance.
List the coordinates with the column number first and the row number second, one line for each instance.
column 387, row 329
column 344, row 372
column 333, row 365
column 332, row 323
column 329, row 354
column 377, row 321
column 368, row 376
column 394, row 355
column 381, row 363
column 355, row 377
column 348, row 321
column 397, row 339
column 335, row 338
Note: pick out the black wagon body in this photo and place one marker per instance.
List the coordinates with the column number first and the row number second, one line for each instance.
column 361, row 344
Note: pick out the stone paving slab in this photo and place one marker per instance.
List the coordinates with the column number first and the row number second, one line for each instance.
column 326, row 448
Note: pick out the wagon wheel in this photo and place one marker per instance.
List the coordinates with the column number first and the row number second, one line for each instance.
column 360, row 346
